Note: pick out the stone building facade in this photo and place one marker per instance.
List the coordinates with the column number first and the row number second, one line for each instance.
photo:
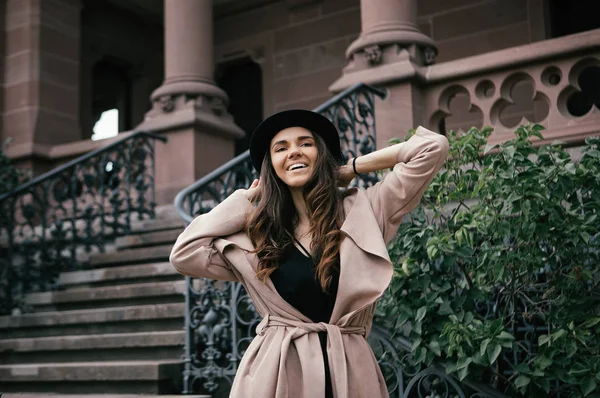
column 204, row 72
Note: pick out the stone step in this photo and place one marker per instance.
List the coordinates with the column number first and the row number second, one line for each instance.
column 148, row 239
column 101, row 347
column 123, row 377
column 142, row 318
column 154, row 225
column 108, row 296
column 165, row 211
column 130, row 256
column 153, row 272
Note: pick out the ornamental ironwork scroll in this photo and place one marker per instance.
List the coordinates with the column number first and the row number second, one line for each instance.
column 220, row 316
column 49, row 222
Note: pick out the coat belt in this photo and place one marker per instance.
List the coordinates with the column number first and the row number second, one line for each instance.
column 335, row 349
column 302, row 328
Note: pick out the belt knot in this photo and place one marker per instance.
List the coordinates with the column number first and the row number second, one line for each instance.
column 302, row 328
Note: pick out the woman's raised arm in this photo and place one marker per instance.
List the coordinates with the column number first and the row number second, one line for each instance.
column 194, row 253
column 415, row 163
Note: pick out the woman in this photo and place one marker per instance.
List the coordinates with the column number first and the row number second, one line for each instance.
column 313, row 259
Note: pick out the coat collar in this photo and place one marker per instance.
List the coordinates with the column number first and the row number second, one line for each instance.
column 363, row 278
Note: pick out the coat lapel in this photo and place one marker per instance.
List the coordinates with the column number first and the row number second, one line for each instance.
column 247, row 268
column 365, row 266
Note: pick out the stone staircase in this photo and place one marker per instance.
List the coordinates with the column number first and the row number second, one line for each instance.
column 115, row 327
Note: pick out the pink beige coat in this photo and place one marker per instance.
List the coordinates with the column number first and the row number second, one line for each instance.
column 284, row 360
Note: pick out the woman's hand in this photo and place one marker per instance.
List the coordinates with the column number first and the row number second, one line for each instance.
column 252, row 192
column 345, row 175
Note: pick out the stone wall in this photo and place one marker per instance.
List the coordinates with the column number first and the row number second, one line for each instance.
column 463, row 28
column 117, row 35
column 41, row 76
column 302, row 48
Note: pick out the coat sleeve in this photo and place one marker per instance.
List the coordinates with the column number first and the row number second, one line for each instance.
column 419, row 159
column 194, row 252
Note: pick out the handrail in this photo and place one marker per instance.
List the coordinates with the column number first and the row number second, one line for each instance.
column 46, row 222
column 56, row 171
column 210, row 177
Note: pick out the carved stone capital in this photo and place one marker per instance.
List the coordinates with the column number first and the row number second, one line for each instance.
column 373, row 55
column 166, row 103
column 429, row 55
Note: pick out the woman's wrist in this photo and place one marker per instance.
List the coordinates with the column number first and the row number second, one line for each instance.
column 352, row 165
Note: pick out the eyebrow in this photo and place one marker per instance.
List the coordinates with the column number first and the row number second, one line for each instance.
column 301, row 138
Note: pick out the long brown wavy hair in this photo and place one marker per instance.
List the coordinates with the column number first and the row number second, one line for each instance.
column 274, row 218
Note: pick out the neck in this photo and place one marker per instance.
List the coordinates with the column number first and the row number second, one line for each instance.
column 300, row 205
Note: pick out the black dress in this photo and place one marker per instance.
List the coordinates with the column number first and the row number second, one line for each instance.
column 296, row 283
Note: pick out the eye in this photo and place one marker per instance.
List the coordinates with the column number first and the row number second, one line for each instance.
column 307, row 144
column 279, row 149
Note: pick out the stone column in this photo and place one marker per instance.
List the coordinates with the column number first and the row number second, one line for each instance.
column 41, row 78
column 391, row 23
column 188, row 106
column 389, row 53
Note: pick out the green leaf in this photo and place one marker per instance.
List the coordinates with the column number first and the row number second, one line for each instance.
column 434, row 346
column 493, row 352
column 488, row 148
column 484, row 345
column 445, row 309
column 578, row 369
column 588, row 385
column 402, row 318
column 543, row 339
column 506, row 336
column 544, row 383
column 522, row 381
column 585, row 236
column 558, row 334
column 543, row 361
column 416, row 343
column 510, row 152
column 420, row 355
column 450, row 367
column 570, row 168
column 462, row 373
column 421, row 314
column 463, row 362
column 592, row 322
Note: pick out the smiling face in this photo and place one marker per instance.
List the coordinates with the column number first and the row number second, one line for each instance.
column 294, row 154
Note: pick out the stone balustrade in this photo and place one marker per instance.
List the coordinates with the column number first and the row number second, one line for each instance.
column 555, row 83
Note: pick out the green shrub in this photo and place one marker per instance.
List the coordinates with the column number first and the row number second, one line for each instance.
column 496, row 273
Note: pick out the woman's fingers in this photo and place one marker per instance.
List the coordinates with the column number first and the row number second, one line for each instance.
column 252, row 191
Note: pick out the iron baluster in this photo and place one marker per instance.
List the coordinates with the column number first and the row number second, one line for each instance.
column 77, row 206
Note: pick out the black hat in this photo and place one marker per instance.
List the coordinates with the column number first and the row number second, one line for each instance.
column 312, row 121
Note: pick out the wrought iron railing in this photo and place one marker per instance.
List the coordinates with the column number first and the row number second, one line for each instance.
column 47, row 223
column 220, row 319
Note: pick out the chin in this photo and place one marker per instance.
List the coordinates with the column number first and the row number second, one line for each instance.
column 296, row 184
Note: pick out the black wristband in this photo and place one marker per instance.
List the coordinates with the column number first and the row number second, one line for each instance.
column 354, row 167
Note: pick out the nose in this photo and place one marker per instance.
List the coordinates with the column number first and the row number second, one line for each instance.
column 294, row 152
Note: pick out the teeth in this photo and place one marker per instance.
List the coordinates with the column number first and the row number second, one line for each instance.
column 297, row 166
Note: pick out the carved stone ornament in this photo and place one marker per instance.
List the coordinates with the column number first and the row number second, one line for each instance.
column 166, row 103
column 373, row 55
column 429, row 55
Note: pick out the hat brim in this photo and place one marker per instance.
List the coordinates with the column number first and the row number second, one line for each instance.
column 312, row 121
